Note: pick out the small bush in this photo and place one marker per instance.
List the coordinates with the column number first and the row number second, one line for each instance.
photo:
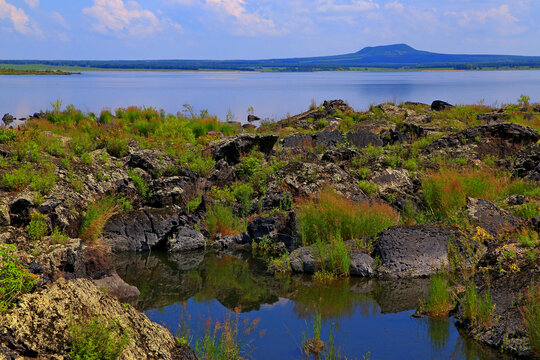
column 193, row 204
column 527, row 211
column 15, row 279
column 58, row 237
column 531, row 316
column 332, row 216
column 243, row 193
column 140, row 184
column 477, row 309
column 528, row 239
column 18, row 179
column 116, row 146
column 220, row 219
column 439, row 302
column 43, row 182
column 95, row 217
column 368, row 187
column 98, row 339
column 37, row 228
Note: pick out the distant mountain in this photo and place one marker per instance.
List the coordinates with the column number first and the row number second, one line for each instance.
column 397, row 56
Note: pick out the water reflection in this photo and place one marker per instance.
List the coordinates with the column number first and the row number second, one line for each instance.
column 370, row 316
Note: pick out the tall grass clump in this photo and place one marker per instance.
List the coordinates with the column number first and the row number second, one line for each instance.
column 332, row 216
column 98, row 339
column 531, row 316
column 15, row 279
column 37, row 227
column 446, row 191
column 221, row 219
column 476, row 308
column 95, row 218
column 439, row 301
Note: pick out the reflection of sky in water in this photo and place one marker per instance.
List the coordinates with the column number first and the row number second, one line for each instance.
column 272, row 95
column 278, row 334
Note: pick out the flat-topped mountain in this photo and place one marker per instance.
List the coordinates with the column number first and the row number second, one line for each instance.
column 396, row 56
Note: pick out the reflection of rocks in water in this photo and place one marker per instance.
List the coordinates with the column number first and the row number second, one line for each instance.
column 400, row 295
column 187, row 261
column 467, row 348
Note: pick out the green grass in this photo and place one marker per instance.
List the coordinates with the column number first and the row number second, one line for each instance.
column 37, row 228
column 98, row 339
column 95, row 218
column 221, row 219
column 331, row 217
column 15, row 279
column 531, row 316
column 439, row 301
column 140, row 184
column 478, row 309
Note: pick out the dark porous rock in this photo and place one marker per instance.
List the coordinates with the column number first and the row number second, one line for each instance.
column 298, row 140
column 233, row 148
column 141, row 230
column 439, row 105
column 154, row 162
column 37, row 325
column 514, row 200
column 507, row 330
column 252, row 118
column 491, row 217
column 233, row 242
column 363, row 138
column 394, row 181
column 186, row 239
column 405, row 132
column 492, row 118
column 408, row 252
column 261, row 228
column 174, row 190
column 535, row 223
column 327, row 109
column 8, row 119
column 527, row 163
column 20, row 211
column 223, row 173
column 302, row 260
column 339, row 154
column 361, row 264
column 328, row 139
column 501, row 140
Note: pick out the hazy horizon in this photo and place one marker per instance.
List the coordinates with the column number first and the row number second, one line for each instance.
column 248, row 29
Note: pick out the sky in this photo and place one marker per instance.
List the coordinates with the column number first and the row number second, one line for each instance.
column 260, row 29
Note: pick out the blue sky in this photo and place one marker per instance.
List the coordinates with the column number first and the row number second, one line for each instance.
column 249, row 29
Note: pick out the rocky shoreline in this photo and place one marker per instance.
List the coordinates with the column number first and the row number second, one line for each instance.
column 383, row 157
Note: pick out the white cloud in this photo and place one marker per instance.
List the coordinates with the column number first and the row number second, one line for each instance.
column 245, row 22
column 346, row 6
column 396, row 6
column 59, row 19
column 32, row 3
column 505, row 23
column 21, row 21
column 127, row 19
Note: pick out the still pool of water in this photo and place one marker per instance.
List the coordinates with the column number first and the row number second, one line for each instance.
column 368, row 316
column 272, row 95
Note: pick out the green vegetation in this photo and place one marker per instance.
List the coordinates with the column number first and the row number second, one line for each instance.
column 531, row 316
column 4, row 71
column 221, row 219
column 140, row 184
column 37, row 228
column 15, row 279
column 477, row 309
column 95, row 218
column 439, row 301
column 98, row 339
column 331, row 217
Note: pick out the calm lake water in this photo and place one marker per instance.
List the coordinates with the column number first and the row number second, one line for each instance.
column 272, row 95
column 189, row 290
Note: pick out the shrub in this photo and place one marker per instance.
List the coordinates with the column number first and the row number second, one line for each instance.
column 98, row 339
column 334, row 256
column 86, row 158
column 445, row 192
column 18, row 179
column 116, row 145
column 95, row 217
column 528, row 210
column 368, row 187
column 15, row 279
column 332, row 216
column 193, row 204
column 58, row 237
column 140, row 184
column 531, row 316
column 477, row 309
column 243, row 193
column 439, row 301
column 528, row 238
column 43, row 182
column 220, row 219
column 37, row 228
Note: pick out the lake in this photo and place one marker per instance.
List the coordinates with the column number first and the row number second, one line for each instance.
column 272, row 95
column 369, row 319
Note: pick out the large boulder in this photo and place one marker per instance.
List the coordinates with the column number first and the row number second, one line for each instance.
column 491, row 217
column 439, row 105
column 233, row 148
column 154, row 162
column 8, row 119
column 361, row 264
column 303, row 260
column 363, row 138
column 408, row 252
column 39, row 325
column 141, row 230
column 186, row 239
column 527, row 163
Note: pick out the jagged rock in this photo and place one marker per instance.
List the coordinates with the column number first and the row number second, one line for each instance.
column 394, row 181
column 8, row 119
column 439, row 105
column 262, row 227
column 223, row 173
column 527, row 163
column 20, row 211
column 363, row 138
column 252, row 118
column 492, row 118
column 499, row 139
column 233, row 242
column 491, row 217
column 516, row 199
column 186, row 239
column 141, row 230
column 412, row 251
column 298, row 140
column 339, row 154
column 37, row 326
column 233, row 148
column 302, row 260
column 361, row 264
column 328, row 108
column 405, row 132
column 154, row 162
column 328, row 139
column 174, row 190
